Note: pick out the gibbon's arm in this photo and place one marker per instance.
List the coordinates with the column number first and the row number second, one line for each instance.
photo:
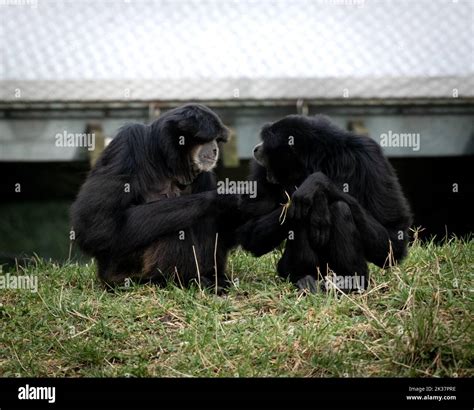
column 144, row 224
column 261, row 234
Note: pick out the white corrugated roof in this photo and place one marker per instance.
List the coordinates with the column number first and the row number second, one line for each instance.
column 178, row 50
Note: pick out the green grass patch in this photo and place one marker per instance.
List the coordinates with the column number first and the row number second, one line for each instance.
column 415, row 320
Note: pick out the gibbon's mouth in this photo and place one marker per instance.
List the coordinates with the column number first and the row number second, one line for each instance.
column 209, row 159
column 257, row 154
column 206, row 163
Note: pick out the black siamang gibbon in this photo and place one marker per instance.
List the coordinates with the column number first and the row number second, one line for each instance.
column 346, row 204
column 149, row 209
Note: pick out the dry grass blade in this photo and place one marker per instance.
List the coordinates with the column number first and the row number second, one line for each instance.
column 284, row 209
column 197, row 268
column 215, row 263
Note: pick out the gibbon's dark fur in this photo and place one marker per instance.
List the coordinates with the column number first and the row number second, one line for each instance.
column 143, row 207
column 348, row 208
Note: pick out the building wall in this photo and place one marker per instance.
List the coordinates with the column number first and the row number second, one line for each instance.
column 442, row 131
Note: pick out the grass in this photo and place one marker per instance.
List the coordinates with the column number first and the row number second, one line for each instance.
column 415, row 320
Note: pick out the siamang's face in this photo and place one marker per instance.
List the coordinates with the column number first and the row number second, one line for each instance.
column 263, row 159
column 190, row 142
column 204, row 156
column 279, row 154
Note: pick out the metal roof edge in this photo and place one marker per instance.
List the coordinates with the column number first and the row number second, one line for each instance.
column 233, row 90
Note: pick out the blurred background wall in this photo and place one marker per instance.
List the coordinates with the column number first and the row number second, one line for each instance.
column 85, row 67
